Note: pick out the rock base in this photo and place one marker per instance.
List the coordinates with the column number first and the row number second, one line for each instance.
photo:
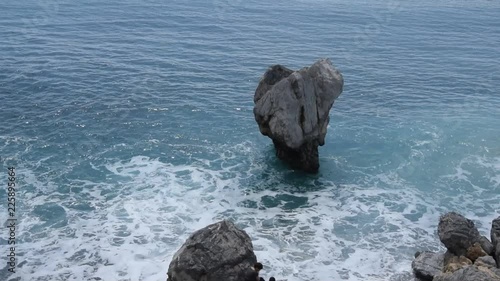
column 305, row 158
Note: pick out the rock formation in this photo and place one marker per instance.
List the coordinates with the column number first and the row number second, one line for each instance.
column 487, row 245
column 217, row 252
column 470, row 273
column 457, row 233
column 292, row 108
column 427, row 264
column 469, row 256
column 495, row 239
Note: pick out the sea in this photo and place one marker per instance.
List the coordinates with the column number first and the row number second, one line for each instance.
column 129, row 125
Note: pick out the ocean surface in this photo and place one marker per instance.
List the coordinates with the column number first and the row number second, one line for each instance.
column 130, row 126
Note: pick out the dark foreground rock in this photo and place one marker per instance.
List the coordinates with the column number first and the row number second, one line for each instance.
column 470, row 273
column 292, row 108
column 495, row 231
column 469, row 256
column 217, row 252
column 495, row 239
column 487, row 245
column 427, row 265
column 486, row 261
column 457, row 233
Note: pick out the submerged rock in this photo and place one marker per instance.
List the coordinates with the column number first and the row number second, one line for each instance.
column 292, row 108
column 217, row 252
column 457, row 233
column 427, row 264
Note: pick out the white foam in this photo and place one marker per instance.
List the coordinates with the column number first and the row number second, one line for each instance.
column 146, row 209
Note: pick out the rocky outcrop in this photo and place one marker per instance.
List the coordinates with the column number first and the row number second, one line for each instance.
column 495, row 239
column 470, row 273
column 427, row 264
column 457, row 233
column 469, row 256
column 292, row 108
column 217, row 252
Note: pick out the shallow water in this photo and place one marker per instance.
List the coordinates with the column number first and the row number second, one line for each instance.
column 130, row 125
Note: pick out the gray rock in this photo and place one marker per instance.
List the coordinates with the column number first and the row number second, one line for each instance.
column 453, row 263
column 495, row 239
column 497, row 255
column 469, row 273
column 486, row 245
column 457, row 233
column 217, row 252
column 427, row 265
column 495, row 231
column 292, row 108
column 486, row 261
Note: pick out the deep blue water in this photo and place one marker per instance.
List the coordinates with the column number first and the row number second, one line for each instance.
column 130, row 125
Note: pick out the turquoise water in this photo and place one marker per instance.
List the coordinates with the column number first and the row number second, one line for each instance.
column 130, row 125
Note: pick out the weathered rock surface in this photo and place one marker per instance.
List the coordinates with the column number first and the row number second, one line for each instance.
column 486, row 261
column 292, row 108
column 469, row 273
column 495, row 239
column 487, row 245
column 427, row 265
column 495, row 231
column 497, row 255
column 469, row 256
column 453, row 263
column 217, row 252
column 457, row 233
column 475, row 251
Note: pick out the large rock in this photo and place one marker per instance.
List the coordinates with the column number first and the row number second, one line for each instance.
column 427, row 265
column 470, row 273
column 495, row 231
column 292, row 108
column 457, row 233
column 217, row 252
column 495, row 239
column 497, row 255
